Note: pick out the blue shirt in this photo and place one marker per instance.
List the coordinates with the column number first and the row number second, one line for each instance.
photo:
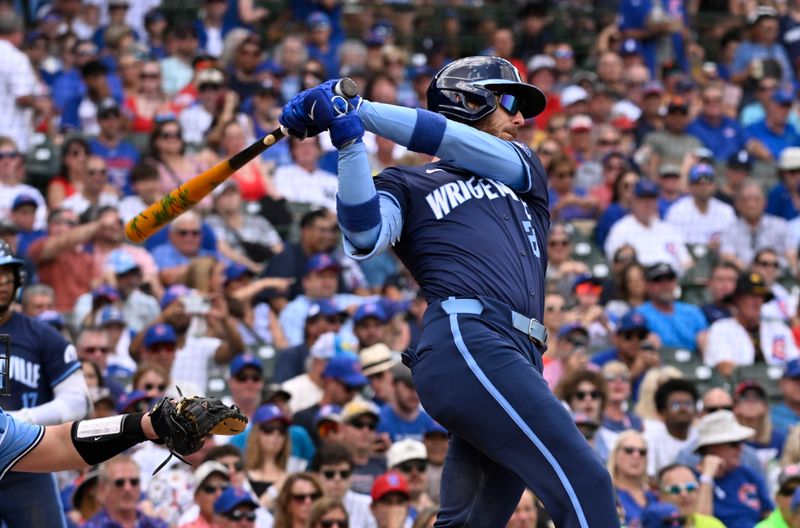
column 631, row 508
column 68, row 91
column 16, row 439
column 783, row 418
column 740, row 497
column 790, row 37
column 167, row 256
column 779, row 202
column 120, row 160
column 399, row 429
column 677, row 329
column 102, row 520
column 748, row 51
column 40, row 359
column 774, row 142
column 723, row 140
column 610, row 216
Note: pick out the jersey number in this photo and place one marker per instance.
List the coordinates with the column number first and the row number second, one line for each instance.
column 532, row 237
column 29, row 399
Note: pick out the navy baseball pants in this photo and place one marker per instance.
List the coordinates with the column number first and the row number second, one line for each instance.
column 481, row 379
column 30, row 500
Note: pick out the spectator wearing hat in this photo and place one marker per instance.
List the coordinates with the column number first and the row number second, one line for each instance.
column 755, row 230
column 700, row 218
column 671, row 184
column 737, row 169
column 320, row 42
column 93, row 344
column 751, row 408
column 23, row 218
column 263, row 116
column 651, row 118
column 542, row 74
column 202, row 121
column 377, row 362
column 774, row 133
column 322, row 317
column 634, row 346
column 95, row 76
column 740, row 495
column 654, row 240
column 403, row 416
column 762, row 45
column 676, row 401
column 246, row 382
column 391, row 501
column 587, row 291
column 784, row 198
column 158, row 346
column 333, row 465
column 359, row 423
column 371, row 324
column 120, row 155
column 784, row 304
column 307, row 389
column 303, row 181
column 788, row 483
column 660, row 515
column 342, row 380
column 132, row 268
column 721, row 134
column 437, row 442
column 571, row 353
column 235, row 508
column 12, row 177
column 679, row 487
column 410, row 458
column 82, row 493
column 574, row 101
column 182, row 43
column 672, row 144
column 211, row 480
column 721, row 285
column 746, row 338
column 787, row 412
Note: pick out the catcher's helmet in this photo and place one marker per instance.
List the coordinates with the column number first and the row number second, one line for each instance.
column 476, row 80
column 7, row 258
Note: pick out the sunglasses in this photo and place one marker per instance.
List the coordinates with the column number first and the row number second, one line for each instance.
column 208, row 488
column 677, row 489
column 97, row 171
column 270, row 428
column 674, row 521
column 239, row 515
column 419, row 465
column 628, row 336
column 94, row 349
column 710, row 410
column 364, row 424
column 608, row 142
column 508, row 102
column 170, row 135
column 306, row 497
column 150, row 386
column 333, row 523
column 209, row 87
column 188, row 232
column 331, row 474
column 578, row 342
column 558, row 243
column 592, row 394
column 12, row 154
column 120, row 482
column 768, row 263
column 149, row 75
column 678, row 405
column 236, row 466
column 244, row 377
column 631, row 450
column 553, row 308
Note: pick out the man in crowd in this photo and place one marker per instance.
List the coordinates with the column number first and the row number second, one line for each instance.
column 676, row 401
column 359, row 422
column 333, row 464
column 370, row 324
column 377, row 362
column 788, row 483
column 632, row 347
column 700, row 218
column 322, row 317
column 721, row 285
column 211, row 479
column 390, row 500
column 120, row 156
column 403, row 417
column 786, row 413
column 410, row 458
column 235, row 508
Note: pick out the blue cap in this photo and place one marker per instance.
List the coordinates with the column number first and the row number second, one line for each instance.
column 160, row 333
column 53, row 318
column 245, row 360
column 740, row 160
column 121, row 262
column 347, row 369
column 323, row 308
column 371, row 309
column 235, row 271
column 128, row 399
column 631, row 47
column 232, row 497
column 318, row 20
column 23, row 199
column 110, row 315
column 104, row 291
column 322, row 262
column 268, row 413
column 783, row 95
column 329, row 412
column 572, row 327
column 646, row 189
column 173, row 293
column 632, row 321
column 701, row 172
column 792, row 369
column 584, row 278
column 661, row 515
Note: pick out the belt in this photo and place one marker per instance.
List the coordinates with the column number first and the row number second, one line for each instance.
column 529, row 326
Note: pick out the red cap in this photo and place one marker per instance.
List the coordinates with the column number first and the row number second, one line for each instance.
column 749, row 385
column 391, row 482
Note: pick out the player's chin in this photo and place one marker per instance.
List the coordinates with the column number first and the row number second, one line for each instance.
column 508, row 135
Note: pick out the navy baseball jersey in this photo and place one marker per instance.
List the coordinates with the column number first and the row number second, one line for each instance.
column 40, row 359
column 460, row 230
column 16, row 440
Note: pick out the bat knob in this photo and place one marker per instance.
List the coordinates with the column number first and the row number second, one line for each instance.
column 346, row 87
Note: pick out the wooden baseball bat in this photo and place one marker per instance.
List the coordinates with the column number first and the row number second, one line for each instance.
column 189, row 193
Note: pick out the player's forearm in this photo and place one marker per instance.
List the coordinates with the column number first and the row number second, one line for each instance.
column 467, row 147
column 70, row 402
column 356, row 202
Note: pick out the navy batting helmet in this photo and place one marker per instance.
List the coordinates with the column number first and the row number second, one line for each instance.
column 465, row 89
column 7, row 258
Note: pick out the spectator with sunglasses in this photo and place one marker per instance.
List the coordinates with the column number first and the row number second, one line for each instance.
column 333, row 464
column 297, row 496
column 211, row 480
column 584, row 392
column 678, row 486
column 783, row 306
column 634, row 346
column 622, row 196
column 168, row 152
column 235, row 508
column 751, row 408
column 570, row 353
column 329, row 513
column 672, row 144
column 788, row 483
column 616, row 417
column 359, row 422
column 184, row 243
column 119, row 492
column 562, row 269
column 627, row 463
column 568, row 201
column 390, row 501
column 676, row 404
column 151, row 378
column 741, row 499
column 410, row 458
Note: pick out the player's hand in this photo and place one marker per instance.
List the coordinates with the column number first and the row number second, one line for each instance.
column 294, row 118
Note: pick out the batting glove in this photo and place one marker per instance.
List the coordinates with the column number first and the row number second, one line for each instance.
column 346, row 129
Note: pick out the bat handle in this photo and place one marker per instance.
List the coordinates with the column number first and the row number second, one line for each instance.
column 346, row 87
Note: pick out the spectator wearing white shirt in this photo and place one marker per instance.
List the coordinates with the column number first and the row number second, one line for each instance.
column 11, row 175
column 784, row 304
column 676, row 403
column 333, row 464
column 212, row 104
column 303, row 181
column 700, row 218
column 93, row 193
column 654, row 241
column 20, row 92
column 146, row 184
column 746, row 338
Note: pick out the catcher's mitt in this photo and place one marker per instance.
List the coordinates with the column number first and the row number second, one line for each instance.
column 182, row 425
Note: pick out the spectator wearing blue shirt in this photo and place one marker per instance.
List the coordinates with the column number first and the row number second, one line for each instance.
column 774, row 133
column 321, row 44
column 403, row 417
column 669, row 187
column 213, row 27
column 762, row 46
column 120, row 155
column 719, row 133
column 741, row 498
column 678, row 324
column 174, row 256
column 648, row 22
column 784, row 198
column 787, row 413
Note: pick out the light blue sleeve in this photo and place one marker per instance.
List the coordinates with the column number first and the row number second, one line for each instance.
column 292, row 321
column 17, row 439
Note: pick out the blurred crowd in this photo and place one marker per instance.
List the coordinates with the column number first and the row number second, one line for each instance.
column 671, row 141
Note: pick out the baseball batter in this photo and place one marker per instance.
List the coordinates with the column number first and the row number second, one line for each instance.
column 471, row 228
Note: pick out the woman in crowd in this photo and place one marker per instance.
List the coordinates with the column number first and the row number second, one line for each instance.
column 621, row 200
column 295, row 500
column 568, row 202
column 257, row 322
column 268, row 450
column 616, row 416
column 328, row 513
column 584, row 392
column 69, row 179
column 254, row 179
column 526, row 514
column 168, row 152
column 752, row 410
column 631, row 291
column 587, row 310
column 627, row 464
column 562, row 269
column 206, row 275
column 148, row 101
column 151, row 378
